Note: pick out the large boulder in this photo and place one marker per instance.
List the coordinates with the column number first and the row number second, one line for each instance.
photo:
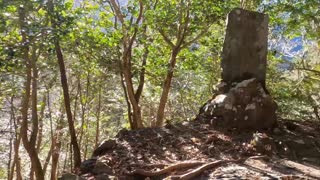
column 245, row 105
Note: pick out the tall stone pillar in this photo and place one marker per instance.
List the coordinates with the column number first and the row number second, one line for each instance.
column 242, row 100
column 244, row 53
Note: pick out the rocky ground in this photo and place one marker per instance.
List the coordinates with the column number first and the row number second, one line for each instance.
column 200, row 150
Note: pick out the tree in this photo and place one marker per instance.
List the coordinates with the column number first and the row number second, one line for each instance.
column 30, row 145
column 64, row 82
column 129, row 30
column 180, row 30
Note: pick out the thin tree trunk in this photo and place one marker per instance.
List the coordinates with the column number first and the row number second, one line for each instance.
column 127, row 99
column 166, row 88
column 82, row 114
column 40, row 134
column 66, row 158
column 29, row 145
column 85, row 148
column 12, row 137
column 16, row 145
column 75, row 104
column 56, row 149
column 84, row 109
column 34, row 111
column 127, row 43
column 143, row 69
column 16, row 160
column 71, row 155
column 64, row 83
column 136, row 110
column 98, row 119
column 47, row 161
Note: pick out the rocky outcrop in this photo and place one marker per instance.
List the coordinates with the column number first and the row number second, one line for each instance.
column 245, row 105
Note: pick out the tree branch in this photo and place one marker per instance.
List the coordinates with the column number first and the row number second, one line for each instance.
column 165, row 37
column 117, row 11
column 196, row 38
column 310, row 70
column 185, row 27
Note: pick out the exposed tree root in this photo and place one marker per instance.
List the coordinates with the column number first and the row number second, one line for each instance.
column 182, row 165
column 211, row 165
column 189, row 164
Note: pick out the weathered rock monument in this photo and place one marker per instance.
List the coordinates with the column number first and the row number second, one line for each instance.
column 241, row 99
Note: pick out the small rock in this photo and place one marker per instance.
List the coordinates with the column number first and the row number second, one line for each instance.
column 104, row 147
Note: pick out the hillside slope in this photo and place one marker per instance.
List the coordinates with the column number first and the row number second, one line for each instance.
column 199, row 150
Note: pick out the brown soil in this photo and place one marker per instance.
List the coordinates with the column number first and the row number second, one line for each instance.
column 290, row 151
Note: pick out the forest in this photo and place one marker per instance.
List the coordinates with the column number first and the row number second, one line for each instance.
column 114, row 85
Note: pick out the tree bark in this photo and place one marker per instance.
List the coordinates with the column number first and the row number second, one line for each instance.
column 127, row 99
column 166, row 87
column 143, row 69
column 127, row 42
column 64, row 83
column 15, row 165
column 136, row 110
column 29, row 145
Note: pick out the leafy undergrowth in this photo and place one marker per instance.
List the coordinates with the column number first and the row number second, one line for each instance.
column 199, row 150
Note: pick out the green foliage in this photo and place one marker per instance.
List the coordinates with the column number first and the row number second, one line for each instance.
column 298, row 18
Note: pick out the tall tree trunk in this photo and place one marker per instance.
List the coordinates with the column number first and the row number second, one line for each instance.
column 166, row 87
column 34, row 113
column 64, row 83
column 29, row 145
column 127, row 43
